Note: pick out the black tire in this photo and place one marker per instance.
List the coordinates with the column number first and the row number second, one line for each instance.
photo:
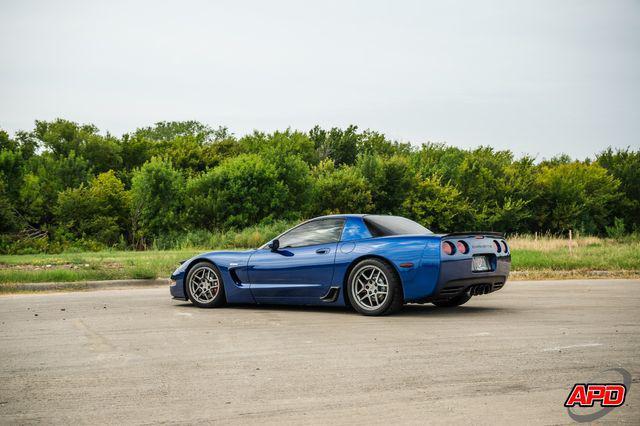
column 394, row 297
column 460, row 299
column 200, row 297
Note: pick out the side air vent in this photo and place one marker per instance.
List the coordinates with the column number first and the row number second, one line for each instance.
column 332, row 295
column 234, row 276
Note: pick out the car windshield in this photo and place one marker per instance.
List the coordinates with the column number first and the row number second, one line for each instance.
column 381, row 226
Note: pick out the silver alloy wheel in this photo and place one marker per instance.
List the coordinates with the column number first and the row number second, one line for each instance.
column 204, row 284
column 370, row 288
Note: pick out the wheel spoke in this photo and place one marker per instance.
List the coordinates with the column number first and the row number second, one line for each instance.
column 371, row 300
column 370, row 288
column 204, row 285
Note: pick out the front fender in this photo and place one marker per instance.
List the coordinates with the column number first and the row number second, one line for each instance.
column 233, row 270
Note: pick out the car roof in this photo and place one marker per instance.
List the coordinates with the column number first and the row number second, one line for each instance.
column 346, row 215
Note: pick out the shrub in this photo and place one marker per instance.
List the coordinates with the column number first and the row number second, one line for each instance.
column 389, row 178
column 156, row 200
column 98, row 212
column 437, row 206
column 576, row 196
column 616, row 231
column 246, row 190
column 340, row 190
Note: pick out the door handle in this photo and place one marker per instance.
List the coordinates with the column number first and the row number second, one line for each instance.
column 322, row 251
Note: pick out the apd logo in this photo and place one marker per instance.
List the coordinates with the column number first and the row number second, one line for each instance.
column 605, row 395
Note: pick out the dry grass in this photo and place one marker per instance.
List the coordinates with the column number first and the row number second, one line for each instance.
column 573, row 274
column 549, row 257
column 547, row 243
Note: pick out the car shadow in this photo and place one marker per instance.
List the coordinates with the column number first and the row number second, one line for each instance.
column 435, row 311
column 275, row 307
column 410, row 310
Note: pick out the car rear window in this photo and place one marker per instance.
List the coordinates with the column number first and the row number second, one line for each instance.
column 382, row 226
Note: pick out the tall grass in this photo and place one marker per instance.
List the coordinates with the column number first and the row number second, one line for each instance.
column 546, row 243
column 251, row 237
column 583, row 253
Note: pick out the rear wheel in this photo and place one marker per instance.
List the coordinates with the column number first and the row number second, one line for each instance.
column 374, row 288
column 204, row 286
column 461, row 299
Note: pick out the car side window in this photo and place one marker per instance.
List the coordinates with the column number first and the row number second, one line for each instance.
column 323, row 231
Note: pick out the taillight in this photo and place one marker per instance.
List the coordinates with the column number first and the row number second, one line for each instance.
column 504, row 247
column 462, row 247
column 448, row 248
column 498, row 246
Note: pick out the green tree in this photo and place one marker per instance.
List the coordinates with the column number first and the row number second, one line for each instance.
column 99, row 211
column 340, row 190
column 44, row 177
column 157, row 191
column 6, row 143
column 239, row 191
column 102, row 153
column 576, row 196
column 374, row 143
column 34, row 201
column 439, row 160
column 285, row 144
column 187, row 153
column 339, row 145
column 512, row 210
column 440, row 207
column 65, row 138
column 624, row 165
column 62, row 137
column 12, row 166
column 8, row 221
column 389, row 178
column 248, row 189
column 56, row 179
column 166, row 131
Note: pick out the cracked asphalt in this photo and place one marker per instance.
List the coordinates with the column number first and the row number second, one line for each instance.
column 137, row 356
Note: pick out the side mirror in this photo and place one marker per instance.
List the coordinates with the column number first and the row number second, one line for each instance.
column 274, row 245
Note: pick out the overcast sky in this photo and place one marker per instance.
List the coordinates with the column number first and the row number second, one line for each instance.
column 538, row 77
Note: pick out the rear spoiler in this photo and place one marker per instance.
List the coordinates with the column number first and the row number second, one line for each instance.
column 474, row 233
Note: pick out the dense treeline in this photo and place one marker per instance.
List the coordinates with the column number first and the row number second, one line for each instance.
column 64, row 184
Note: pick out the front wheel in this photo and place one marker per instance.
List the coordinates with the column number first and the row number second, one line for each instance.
column 204, row 286
column 456, row 301
column 374, row 288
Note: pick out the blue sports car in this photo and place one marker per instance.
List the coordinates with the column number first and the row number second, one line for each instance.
column 373, row 263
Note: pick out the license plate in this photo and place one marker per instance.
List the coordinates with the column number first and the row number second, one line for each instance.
column 481, row 264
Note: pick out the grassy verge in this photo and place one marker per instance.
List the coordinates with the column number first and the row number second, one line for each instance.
column 539, row 258
column 104, row 265
column 533, row 258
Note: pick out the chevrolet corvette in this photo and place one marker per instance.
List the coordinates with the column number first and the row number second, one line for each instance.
column 374, row 263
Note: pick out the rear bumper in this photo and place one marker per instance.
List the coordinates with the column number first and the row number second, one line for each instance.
column 476, row 286
column 456, row 277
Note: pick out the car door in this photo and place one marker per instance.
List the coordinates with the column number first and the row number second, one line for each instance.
column 302, row 268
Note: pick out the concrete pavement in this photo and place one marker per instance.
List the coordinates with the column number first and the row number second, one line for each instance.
column 136, row 356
